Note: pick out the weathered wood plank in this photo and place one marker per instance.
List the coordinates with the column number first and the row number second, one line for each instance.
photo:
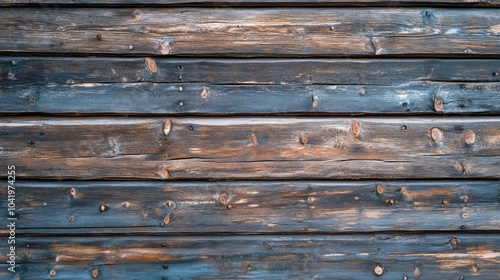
column 445, row 256
column 253, row 207
column 252, row 32
column 210, row 99
column 188, row 148
column 53, row 5
column 381, row 72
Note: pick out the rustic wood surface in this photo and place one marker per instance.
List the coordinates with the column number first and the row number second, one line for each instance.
column 258, row 148
column 221, row 87
column 380, row 72
column 447, row 256
column 247, row 32
column 209, row 99
column 254, row 207
column 53, row 5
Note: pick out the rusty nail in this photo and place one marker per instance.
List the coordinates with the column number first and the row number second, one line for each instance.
column 469, row 137
column 130, row 47
column 495, row 74
column 204, row 93
column 332, row 27
column 165, row 174
column 436, row 134
column 303, row 140
column 179, row 77
column 13, row 63
column 126, row 204
column 467, row 50
column 314, row 101
column 404, row 191
column 465, row 215
column 445, row 202
column 170, row 203
column 181, row 89
column 461, row 278
column 71, row 218
column 356, row 128
column 165, row 266
column 224, row 199
column 166, row 220
column 181, row 104
column 103, row 208
column 98, row 37
column 253, row 138
column 72, row 192
column 151, row 65
column 167, row 126
column 465, row 198
column 391, row 201
column 379, row 270
column 311, row 200
column 53, row 272
column 454, row 242
column 229, row 207
column 380, row 189
column 95, row 273
column 439, row 104
column 163, row 245
column 404, row 127
column 70, row 81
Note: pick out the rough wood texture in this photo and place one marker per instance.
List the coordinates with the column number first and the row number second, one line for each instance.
column 53, row 5
column 219, row 87
column 195, row 148
column 446, row 256
column 254, row 207
column 377, row 72
column 209, row 99
column 252, row 32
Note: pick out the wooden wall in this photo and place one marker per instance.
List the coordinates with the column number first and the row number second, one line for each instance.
column 252, row 139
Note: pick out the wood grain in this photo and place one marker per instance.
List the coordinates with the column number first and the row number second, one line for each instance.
column 258, row 257
column 243, row 32
column 377, row 72
column 209, row 99
column 255, row 207
column 53, row 5
column 258, row 148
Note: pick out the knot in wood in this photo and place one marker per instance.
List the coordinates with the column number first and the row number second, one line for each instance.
column 356, row 128
column 95, row 273
column 378, row 270
column 380, row 189
column 436, row 134
column 439, row 105
column 204, row 93
column 167, row 126
column 469, row 137
column 151, row 65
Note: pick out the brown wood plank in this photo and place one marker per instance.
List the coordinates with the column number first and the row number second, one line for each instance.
column 447, row 256
column 253, row 207
column 53, row 5
column 252, row 32
column 188, row 148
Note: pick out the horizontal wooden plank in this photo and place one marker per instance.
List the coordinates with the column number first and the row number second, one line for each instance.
column 253, row 207
column 248, row 32
column 447, row 256
column 54, row 5
column 209, row 99
column 157, row 86
column 204, row 148
column 379, row 72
